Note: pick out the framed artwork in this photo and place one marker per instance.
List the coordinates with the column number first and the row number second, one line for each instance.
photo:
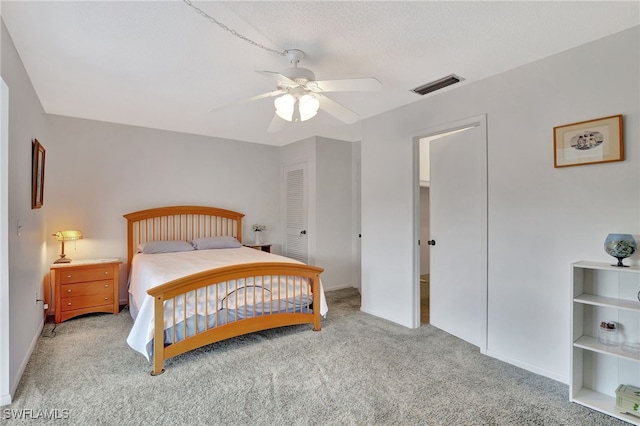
column 588, row 142
column 37, row 182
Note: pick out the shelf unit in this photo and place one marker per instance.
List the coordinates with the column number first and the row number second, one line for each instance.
column 602, row 292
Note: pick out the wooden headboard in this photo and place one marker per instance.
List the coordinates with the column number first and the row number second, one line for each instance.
column 180, row 223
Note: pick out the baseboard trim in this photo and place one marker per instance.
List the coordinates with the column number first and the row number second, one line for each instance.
column 529, row 367
column 338, row 287
column 5, row 399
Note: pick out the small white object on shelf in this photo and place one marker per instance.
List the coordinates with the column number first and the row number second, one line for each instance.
column 608, row 333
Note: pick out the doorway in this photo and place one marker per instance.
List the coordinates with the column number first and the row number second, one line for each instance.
column 456, row 233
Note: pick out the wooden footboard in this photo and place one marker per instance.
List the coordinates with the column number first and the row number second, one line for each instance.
column 212, row 325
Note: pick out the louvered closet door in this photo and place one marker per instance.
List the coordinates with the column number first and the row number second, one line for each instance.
column 297, row 211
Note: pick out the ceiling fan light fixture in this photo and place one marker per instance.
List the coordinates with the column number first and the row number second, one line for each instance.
column 296, row 108
column 284, row 106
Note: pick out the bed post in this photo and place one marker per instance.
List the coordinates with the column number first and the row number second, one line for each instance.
column 158, row 336
column 316, row 302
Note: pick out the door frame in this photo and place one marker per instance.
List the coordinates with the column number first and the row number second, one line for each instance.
column 5, row 372
column 474, row 121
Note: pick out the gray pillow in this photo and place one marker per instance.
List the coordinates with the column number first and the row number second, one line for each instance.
column 170, row 246
column 207, row 243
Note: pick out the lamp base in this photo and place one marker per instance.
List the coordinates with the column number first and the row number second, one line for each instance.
column 63, row 260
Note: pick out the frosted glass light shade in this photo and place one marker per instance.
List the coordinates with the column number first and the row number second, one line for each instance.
column 308, row 105
column 284, row 106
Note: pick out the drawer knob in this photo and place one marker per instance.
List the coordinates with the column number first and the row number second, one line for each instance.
column 106, row 298
column 106, row 285
column 69, row 304
column 106, row 272
column 69, row 291
column 69, row 276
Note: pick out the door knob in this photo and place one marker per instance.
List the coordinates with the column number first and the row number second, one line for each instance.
column 431, row 242
column 303, row 232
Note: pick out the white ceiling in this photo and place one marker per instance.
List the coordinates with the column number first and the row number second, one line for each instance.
column 160, row 64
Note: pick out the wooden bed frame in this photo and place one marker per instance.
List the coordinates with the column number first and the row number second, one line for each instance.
column 189, row 222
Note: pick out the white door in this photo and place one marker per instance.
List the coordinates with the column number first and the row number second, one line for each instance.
column 296, row 212
column 458, row 226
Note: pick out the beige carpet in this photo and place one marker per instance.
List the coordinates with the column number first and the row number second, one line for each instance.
column 359, row 370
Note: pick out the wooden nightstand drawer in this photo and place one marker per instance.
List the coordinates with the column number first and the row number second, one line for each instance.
column 88, row 301
column 83, row 275
column 83, row 289
column 85, row 286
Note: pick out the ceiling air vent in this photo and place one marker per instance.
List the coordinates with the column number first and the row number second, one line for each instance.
column 437, row 85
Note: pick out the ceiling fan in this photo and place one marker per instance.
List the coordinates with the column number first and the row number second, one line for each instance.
column 300, row 95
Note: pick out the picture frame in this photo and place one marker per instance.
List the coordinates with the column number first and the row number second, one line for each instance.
column 589, row 142
column 37, row 170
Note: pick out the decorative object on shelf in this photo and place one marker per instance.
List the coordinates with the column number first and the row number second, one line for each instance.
column 608, row 333
column 37, row 174
column 631, row 347
column 588, row 142
column 63, row 236
column 620, row 246
column 628, row 400
column 257, row 232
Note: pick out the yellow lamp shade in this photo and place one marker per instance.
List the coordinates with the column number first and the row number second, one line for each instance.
column 68, row 235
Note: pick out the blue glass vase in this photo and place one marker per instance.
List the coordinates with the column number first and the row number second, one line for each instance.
column 620, row 246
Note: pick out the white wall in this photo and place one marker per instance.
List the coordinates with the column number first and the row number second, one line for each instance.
column 334, row 218
column 97, row 171
column 540, row 219
column 27, row 252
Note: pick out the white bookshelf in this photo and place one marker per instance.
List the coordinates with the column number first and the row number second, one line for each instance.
column 601, row 292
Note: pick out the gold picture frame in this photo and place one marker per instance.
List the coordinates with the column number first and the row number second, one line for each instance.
column 37, row 170
column 588, row 142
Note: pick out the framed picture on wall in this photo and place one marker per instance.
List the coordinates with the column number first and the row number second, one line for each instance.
column 37, row 170
column 588, row 142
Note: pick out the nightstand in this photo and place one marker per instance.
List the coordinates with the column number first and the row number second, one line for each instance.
column 263, row 247
column 85, row 286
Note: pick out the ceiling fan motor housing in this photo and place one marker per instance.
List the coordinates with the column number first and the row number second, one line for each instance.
column 299, row 75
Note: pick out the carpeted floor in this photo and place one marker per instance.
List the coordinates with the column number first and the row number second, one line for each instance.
column 359, row 370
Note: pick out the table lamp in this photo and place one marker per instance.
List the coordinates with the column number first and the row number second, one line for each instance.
column 63, row 236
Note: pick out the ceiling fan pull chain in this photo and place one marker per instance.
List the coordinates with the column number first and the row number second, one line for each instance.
column 232, row 31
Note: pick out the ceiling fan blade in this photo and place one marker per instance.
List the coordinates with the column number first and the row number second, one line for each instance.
column 276, row 125
column 281, row 79
column 339, row 111
column 266, row 95
column 254, row 98
column 346, row 85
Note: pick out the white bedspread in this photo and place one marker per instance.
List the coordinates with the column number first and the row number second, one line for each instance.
column 150, row 270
